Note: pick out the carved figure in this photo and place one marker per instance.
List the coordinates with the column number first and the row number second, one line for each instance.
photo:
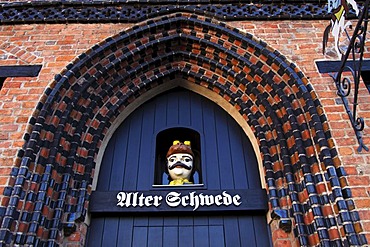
column 337, row 24
column 180, row 163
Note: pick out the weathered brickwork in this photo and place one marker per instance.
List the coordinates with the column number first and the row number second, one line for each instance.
column 313, row 131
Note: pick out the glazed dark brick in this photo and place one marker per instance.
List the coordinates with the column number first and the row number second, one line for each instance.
column 270, row 92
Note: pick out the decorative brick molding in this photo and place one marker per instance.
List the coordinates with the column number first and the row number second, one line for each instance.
column 51, row 181
column 126, row 11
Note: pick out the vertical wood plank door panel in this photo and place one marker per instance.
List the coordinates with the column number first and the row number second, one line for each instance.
column 227, row 162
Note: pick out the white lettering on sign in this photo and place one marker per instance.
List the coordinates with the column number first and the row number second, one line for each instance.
column 175, row 199
column 132, row 199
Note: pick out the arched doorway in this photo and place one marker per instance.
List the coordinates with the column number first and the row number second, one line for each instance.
column 54, row 171
column 228, row 163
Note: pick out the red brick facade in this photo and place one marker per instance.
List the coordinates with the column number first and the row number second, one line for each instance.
column 54, row 46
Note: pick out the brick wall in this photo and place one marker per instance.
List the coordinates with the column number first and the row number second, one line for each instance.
column 301, row 42
column 55, row 46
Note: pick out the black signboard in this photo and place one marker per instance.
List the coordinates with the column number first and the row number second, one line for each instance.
column 178, row 201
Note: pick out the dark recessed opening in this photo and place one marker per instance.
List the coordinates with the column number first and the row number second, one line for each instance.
column 365, row 75
column 164, row 141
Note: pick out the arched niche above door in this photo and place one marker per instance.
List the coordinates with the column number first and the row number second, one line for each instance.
column 164, row 139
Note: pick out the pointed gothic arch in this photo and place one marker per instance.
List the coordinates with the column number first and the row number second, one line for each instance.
column 52, row 178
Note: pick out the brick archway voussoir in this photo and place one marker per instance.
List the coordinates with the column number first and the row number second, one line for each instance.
column 268, row 92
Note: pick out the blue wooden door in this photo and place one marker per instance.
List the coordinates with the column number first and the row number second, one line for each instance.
column 228, row 162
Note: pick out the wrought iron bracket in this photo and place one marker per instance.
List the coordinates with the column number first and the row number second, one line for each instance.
column 343, row 83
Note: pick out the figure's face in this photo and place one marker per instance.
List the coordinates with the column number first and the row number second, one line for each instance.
column 180, row 165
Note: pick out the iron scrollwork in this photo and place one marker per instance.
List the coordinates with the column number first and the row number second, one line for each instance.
column 343, row 83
